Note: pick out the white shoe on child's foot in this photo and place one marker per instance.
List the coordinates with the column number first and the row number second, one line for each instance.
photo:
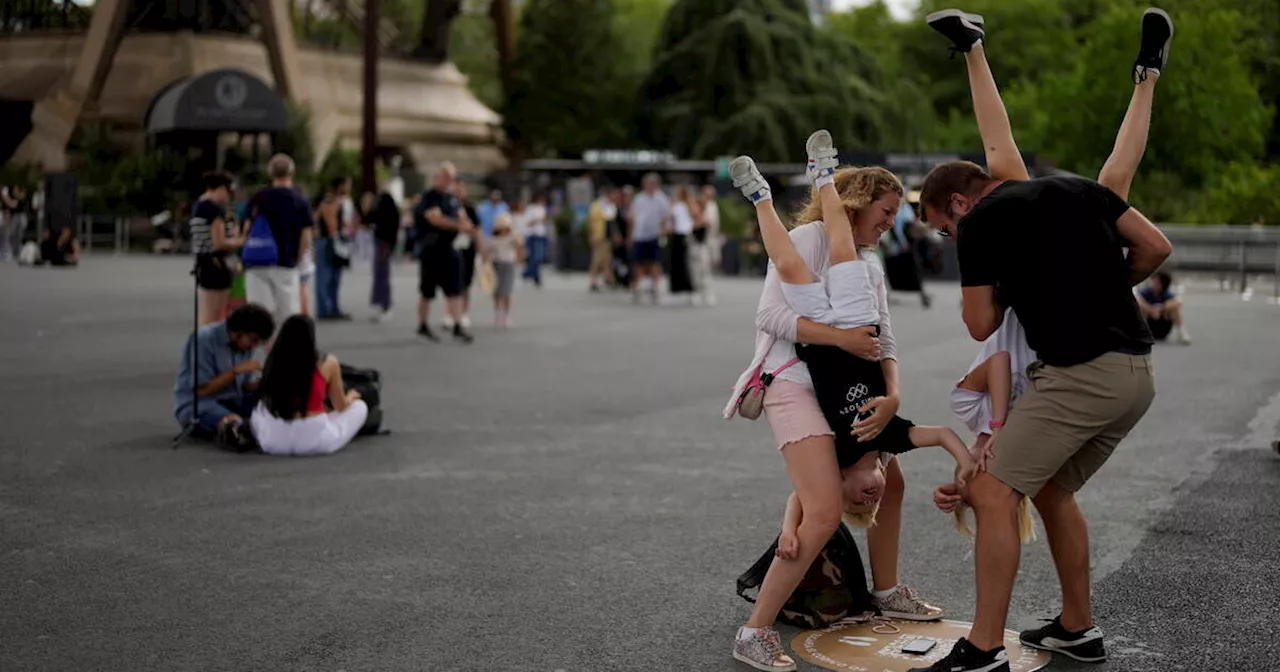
column 747, row 178
column 822, row 158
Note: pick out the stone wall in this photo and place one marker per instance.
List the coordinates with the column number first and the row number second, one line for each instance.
column 426, row 110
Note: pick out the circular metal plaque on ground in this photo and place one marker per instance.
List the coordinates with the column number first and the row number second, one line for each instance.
column 865, row 647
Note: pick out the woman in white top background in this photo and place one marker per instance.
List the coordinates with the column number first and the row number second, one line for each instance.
column 535, row 235
column 684, row 212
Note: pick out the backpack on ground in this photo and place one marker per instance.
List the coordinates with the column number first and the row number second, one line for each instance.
column 368, row 382
column 835, row 586
column 260, row 247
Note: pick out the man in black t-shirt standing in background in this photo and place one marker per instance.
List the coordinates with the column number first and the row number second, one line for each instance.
column 1055, row 249
column 437, row 221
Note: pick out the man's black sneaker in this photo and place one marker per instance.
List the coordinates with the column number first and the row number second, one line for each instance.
column 425, row 332
column 1085, row 646
column 965, row 657
column 462, row 335
column 1157, row 33
column 963, row 29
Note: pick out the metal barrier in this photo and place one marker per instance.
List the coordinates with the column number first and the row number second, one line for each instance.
column 98, row 230
column 1230, row 252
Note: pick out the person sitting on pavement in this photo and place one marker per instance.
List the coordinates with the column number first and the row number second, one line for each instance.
column 224, row 371
column 292, row 418
column 1162, row 308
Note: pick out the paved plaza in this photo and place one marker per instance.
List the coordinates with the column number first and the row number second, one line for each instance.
column 562, row 496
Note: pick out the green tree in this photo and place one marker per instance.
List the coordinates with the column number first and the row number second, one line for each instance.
column 473, row 48
column 561, row 101
column 1208, row 112
column 755, row 76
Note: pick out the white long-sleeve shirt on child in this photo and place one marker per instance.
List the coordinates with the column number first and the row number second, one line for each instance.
column 847, row 299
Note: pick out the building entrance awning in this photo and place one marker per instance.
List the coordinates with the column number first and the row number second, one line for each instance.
column 223, row 100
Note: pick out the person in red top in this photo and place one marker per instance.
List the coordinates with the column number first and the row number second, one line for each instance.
column 292, row 417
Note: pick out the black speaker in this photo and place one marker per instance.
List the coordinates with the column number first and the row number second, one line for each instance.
column 61, row 201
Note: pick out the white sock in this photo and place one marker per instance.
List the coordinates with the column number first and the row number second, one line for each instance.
column 465, row 321
column 976, row 44
column 761, row 196
column 447, row 322
column 745, row 633
column 824, row 180
column 881, row 594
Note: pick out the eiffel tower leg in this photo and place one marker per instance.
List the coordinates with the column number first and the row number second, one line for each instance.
column 54, row 117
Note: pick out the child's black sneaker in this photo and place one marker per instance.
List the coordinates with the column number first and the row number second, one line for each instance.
column 425, row 332
column 461, row 334
column 965, row 30
column 965, row 657
column 1157, row 33
column 1085, row 646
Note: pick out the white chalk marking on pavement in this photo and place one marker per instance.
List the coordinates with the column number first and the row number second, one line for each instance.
column 1265, row 425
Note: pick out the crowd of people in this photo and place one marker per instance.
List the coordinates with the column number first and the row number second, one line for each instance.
column 1063, row 374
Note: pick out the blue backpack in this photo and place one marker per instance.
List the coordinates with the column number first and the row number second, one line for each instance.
column 260, row 247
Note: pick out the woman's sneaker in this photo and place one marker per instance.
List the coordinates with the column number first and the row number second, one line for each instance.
column 747, row 178
column 762, row 650
column 965, row 30
column 904, row 604
column 965, row 657
column 822, row 158
column 1085, row 646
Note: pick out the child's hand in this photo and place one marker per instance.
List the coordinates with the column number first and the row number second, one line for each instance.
column 989, row 449
column 788, row 546
column 947, row 497
column 966, row 472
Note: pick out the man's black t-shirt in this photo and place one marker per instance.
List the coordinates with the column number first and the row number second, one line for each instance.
column 1051, row 247
column 431, row 238
column 288, row 213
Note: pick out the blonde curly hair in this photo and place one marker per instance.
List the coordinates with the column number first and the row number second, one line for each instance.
column 858, row 187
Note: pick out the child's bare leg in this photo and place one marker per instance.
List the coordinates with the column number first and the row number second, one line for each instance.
column 1003, row 159
column 1117, row 173
column 822, row 168
column 1131, row 142
column 967, row 32
column 777, row 241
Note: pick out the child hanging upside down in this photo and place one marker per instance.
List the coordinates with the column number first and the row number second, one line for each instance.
column 844, row 384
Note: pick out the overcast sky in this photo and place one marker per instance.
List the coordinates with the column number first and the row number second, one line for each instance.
column 899, row 8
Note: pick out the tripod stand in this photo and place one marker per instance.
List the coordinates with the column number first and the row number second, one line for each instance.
column 194, row 424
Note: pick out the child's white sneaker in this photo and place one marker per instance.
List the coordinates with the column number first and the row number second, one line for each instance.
column 822, row 158
column 747, row 178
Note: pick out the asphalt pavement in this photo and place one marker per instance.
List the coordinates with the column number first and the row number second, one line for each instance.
column 562, row 496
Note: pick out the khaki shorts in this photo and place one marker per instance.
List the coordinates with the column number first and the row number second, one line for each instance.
column 1071, row 420
column 601, row 255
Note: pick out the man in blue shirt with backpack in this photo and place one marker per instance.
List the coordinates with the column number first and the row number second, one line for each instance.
column 278, row 234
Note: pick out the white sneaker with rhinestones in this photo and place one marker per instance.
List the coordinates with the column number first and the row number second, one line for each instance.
column 903, row 603
column 763, row 651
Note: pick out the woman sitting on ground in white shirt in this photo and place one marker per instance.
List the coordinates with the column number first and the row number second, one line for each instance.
column 292, row 418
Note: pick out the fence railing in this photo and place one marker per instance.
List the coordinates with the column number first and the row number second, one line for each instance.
column 103, row 233
column 1233, row 253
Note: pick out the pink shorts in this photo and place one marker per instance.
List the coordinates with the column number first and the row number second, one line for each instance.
column 794, row 413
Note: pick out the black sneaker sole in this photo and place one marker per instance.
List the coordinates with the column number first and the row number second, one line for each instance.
column 1065, row 652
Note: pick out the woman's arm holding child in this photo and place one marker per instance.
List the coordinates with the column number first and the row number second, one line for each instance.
column 788, row 542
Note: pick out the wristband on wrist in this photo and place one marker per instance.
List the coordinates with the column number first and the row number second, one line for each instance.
column 995, row 424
